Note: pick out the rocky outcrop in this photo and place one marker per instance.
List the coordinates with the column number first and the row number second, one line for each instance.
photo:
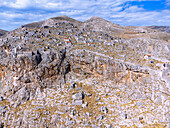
column 29, row 71
column 88, row 64
column 64, row 74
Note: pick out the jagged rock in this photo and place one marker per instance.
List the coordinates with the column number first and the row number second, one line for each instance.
column 37, row 58
column 78, row 96
column 108, row 126
column 73, row 85
column 77, row 102
column 85, row 105
column 158, row 100
column 55, row 119
column 40, row 63
column 98, row 99
column 1, row 98
column 88, row 94
column 70, row 123
column 103, row 109
column 125, row 116
column 101, row 117
column 21, row 96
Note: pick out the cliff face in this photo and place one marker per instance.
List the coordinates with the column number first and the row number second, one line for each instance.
column 61, row 75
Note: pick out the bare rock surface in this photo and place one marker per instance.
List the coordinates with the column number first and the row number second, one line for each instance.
column 66, row 73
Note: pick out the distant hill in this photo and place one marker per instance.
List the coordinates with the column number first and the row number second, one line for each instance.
column 99, row 24
column 65, row 18
column 2, row 32
column 161, row 28
column 33, row 25
column 61, row 19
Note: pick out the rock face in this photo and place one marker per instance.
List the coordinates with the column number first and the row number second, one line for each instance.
column 66, row 73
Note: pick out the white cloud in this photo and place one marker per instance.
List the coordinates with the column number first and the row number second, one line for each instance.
column 168, row 2
column 134, row 9
column 21, row 4
column 62, row 4
column 118, row 11
column 9, row 15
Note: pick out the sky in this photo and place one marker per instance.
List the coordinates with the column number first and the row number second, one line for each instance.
column 14, row 13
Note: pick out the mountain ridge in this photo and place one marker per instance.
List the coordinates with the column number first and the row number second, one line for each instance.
column 93, row 22
column 160, row 28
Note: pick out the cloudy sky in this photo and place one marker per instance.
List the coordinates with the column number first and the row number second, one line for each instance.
column 14, row 13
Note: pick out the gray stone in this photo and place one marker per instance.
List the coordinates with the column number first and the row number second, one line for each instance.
column 85, row 105
column 77, row 102
column 1, row 98
column 73, row 85
column 21, row 95
column 98, row 99
column 158, row 100
column 78, row 88
column 103, row 109
column 101, row 117
column 88, row 94
column 108, row 125
column 78, row 96
column 70, row 122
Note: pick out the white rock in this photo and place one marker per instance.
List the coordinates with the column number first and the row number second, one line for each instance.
column 77, row 102
column 167, row 103
column 158, row 100
column 103, row 109
column 84, row 105
column 41, row 103
column 78, row 96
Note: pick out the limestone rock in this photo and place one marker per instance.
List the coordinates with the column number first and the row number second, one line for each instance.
column 77, row 102
column 65, row 73
column 78, row 96
column 103, row 109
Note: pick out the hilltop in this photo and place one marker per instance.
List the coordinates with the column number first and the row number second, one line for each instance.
column 61, row 72
column 98, row 24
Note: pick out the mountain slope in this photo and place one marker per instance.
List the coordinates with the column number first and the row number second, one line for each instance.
column 2, row 32
column 61, row 19
column 99, row 24
column 33, row 25
column 161, row 28
column 65, row 73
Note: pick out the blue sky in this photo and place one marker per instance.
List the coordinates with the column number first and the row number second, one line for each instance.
column 14, row 13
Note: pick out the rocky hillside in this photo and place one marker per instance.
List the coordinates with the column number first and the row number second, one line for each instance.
column 2, row 32
column 99, row 24
column 66, row 73
column 161, row 28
